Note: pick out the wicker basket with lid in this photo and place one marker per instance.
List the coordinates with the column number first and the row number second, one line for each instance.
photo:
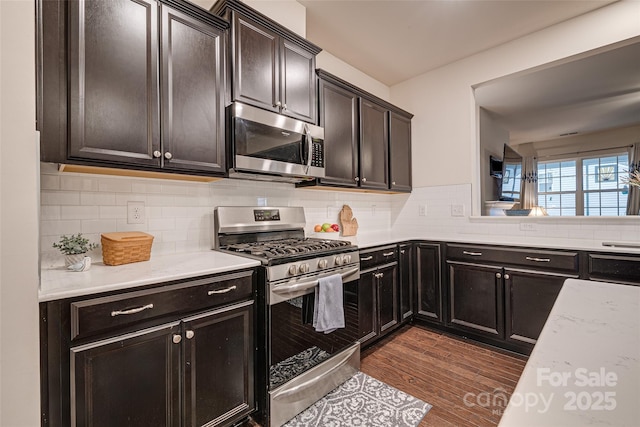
column 126, row 247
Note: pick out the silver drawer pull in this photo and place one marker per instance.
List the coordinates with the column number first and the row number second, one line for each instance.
column 388, row 254
column 529, row 258
column 131, row 310
column 222, row 291
column 472, row 253
column 367, row 258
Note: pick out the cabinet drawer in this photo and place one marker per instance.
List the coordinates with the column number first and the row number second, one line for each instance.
column 98, row 315
column 377, row 256
column 532, row 258
column 614, row 268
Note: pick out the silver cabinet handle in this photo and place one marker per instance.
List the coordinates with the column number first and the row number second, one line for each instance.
column 364, row 179
column 131, row 310
column 189, row 334
column 168, row 155
column 402, row 251
column 393, row 183
column 356, row 179
column 529, row 258
column 222, row 291
column 157, row 154
column 278, row 104
column 177, row 338
column 498, row 275
column 506, row 277
column 387, row 253
column 284, row 107
column 472, row 253
column 367, row 258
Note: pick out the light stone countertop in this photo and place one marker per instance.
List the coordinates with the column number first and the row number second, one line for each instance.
column 585, row 368
column 59, row 282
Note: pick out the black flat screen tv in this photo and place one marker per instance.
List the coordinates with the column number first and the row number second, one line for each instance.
column 495, row 167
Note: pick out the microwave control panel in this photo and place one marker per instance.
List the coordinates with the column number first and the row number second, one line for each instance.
column 317, row 154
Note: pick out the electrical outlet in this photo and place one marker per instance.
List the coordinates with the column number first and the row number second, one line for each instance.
column 457, row 210
column 135, row 213
column 527, row 226
column 422, row 210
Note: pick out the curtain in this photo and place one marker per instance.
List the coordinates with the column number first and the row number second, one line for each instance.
column 529, row 186
column 633, row 198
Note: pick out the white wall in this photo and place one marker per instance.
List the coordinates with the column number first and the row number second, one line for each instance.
column 19, row 345
column 442, row 100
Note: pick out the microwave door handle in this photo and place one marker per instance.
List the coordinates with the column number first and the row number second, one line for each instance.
column 309, row 147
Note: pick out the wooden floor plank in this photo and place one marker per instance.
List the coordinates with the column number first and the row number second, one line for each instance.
column 442, row 370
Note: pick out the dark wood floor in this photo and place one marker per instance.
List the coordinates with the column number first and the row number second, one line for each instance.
column 446, row 372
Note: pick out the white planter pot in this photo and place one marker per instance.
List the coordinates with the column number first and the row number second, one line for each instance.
column 73, row 259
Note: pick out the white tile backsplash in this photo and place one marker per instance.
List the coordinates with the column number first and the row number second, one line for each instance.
column 179, row 214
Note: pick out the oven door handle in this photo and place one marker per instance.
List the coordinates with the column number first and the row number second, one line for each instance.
column 303, row 286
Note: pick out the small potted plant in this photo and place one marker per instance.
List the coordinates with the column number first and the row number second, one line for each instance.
column 74, row 248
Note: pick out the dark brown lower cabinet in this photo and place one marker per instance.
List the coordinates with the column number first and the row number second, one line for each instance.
column 428, row 282
column 175, row 354
column 406, row 284
column 617, row 268
column 476, row 301
column 205, row 361
column 529, row 297
column 131, row 380
column 378, row 290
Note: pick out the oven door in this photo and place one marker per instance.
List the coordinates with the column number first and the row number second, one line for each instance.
column 304, row 365
column 295, row 346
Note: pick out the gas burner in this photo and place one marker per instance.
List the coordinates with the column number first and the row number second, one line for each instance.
column 287, row 247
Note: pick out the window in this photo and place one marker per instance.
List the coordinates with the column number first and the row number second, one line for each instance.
column 590, row 186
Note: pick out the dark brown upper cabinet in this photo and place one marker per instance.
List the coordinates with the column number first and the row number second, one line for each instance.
column 272, row 67
column 367, row 140
column 143, row 86
column 339, row 117
column 399, row 152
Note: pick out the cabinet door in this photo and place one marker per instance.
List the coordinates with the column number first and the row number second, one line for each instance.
column 113, row 81
column 132, row 380
column 339, row 118
column 256, row 66
column 529, row 297
column 476, row 299
column 192, row 55
column 367, row 312
column 428, row 282
column 388, row 315
column 298, row 84
column 400, row 152
column 374, row 146
column 407, row 284
column 219, row 366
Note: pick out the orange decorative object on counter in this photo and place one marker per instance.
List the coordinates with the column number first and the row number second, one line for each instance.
column 126, row 247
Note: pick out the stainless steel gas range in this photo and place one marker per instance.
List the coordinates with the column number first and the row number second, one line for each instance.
column 297, row 365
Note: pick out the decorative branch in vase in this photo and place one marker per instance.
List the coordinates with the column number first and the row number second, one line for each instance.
column 634, row 178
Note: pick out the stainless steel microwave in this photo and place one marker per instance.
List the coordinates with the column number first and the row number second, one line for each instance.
column 271, row 146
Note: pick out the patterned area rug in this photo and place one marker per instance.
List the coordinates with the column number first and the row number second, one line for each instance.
column 363, row 401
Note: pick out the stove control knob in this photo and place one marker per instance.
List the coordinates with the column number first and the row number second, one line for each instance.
column 304, row 268
column 323, row 263
column 293, row 269
column 338, row 260
column 346, row 259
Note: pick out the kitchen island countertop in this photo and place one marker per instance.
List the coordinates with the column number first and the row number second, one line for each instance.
column 585, row 367
column 59, row 282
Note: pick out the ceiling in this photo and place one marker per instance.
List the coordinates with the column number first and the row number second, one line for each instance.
column 393, row 41
column 593, row 93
